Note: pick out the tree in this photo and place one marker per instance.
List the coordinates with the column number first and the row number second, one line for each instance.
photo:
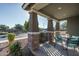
column 64, row 25
column 4, row 28
column 26, row 26
column 18, row 27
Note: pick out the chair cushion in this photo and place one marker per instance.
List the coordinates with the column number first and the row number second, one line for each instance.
column 72, row 45
column 73, row 42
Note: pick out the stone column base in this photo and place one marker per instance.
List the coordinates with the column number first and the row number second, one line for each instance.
column 51, row 38
column 33, row 40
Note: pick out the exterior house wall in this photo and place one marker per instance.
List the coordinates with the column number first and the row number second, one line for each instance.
column 73, row 25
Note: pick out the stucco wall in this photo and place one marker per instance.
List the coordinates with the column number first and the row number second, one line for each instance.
column 73, row 25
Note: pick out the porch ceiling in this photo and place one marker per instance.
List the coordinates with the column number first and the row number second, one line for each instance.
column 56, row 10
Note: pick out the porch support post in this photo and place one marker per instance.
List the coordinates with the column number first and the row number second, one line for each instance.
column 33, row 34
column 57, row 26
column 50, row 31
column 57, row 29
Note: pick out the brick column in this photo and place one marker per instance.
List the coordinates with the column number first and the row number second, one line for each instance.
column 50, row 31
column 33, row 34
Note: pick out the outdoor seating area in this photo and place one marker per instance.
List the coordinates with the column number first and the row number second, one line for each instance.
column 70, row 48
column 56, row 50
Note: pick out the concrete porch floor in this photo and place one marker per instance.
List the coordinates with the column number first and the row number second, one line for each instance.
column 56, row 50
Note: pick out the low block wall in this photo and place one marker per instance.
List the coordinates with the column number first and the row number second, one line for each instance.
column 5, row 51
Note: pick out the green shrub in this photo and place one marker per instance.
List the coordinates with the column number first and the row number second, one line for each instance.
column 15, row 49
column 11, row 37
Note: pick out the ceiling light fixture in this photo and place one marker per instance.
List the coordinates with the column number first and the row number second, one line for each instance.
column 59, row 8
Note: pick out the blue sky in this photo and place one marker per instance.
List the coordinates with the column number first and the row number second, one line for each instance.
column 12, row 13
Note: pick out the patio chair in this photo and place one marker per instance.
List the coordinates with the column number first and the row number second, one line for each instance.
column 58, row 38
column 73, row 42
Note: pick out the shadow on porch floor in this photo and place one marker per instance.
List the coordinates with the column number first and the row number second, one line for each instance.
column 56, row 50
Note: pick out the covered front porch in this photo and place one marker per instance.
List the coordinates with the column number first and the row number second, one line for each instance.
column 53, row 12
